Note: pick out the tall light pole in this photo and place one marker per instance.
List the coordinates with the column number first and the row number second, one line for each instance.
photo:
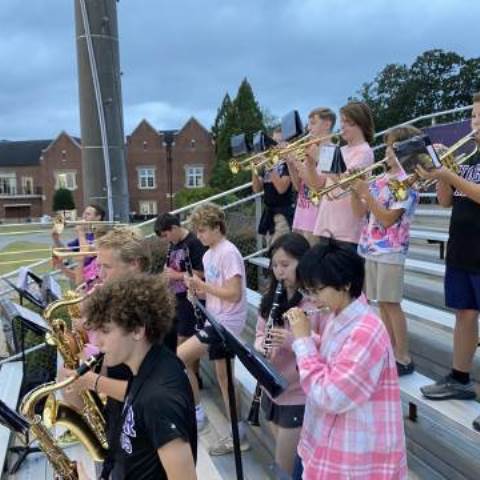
column 101, row 112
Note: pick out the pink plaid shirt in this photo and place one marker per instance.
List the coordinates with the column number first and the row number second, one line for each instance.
column 353, row 425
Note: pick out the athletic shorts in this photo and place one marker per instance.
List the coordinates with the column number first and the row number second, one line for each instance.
column 462, row 289
column 185, row 320
column 384, row 281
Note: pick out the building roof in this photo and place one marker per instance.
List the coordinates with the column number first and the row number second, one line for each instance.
column 22, row 153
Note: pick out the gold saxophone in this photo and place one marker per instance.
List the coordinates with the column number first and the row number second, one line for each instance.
column 70, row 344
column 63, row 466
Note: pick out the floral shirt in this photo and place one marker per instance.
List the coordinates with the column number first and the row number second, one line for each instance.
column 375, row 239
column 353, row 425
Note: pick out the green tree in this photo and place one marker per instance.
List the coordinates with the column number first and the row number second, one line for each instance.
column 186, row 196
column 63, row 200
column 437, row 80
column 243, row 115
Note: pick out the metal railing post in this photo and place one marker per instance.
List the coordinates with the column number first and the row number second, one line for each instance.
column 258, row 215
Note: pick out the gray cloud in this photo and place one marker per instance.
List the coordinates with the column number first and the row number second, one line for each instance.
column 179, row 58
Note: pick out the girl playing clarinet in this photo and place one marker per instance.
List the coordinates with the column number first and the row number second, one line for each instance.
column 284, row 413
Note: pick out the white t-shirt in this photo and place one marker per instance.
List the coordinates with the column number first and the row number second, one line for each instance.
column 221, row 263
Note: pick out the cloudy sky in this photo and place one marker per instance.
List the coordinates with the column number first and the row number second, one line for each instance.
column 179, row 57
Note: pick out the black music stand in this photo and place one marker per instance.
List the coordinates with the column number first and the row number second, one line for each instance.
column 34, row 322
column 48, row 288
column 256, row 364
column 17, row 424
column 28, row 319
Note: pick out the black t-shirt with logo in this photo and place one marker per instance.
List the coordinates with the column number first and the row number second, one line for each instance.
column 192, row 246
column 463, row 249
column 271, row 197
column 159, row 408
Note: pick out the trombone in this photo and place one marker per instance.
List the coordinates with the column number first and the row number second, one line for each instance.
column 56, row 252
column 59, row 224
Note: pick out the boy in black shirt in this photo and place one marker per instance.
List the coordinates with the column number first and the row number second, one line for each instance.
column 183, row 247
column 462, row 276
column 156, row 437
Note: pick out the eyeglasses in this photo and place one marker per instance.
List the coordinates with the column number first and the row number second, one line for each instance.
column 311, row 292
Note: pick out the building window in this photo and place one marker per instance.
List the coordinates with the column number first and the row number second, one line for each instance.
column 8, row 183
column 194, row 177
column 66, row 180
column 193, row 142
column 27, row 185
column 148, row 207
column 146, row 178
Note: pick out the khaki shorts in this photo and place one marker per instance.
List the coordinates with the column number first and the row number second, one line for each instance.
column 384, row 281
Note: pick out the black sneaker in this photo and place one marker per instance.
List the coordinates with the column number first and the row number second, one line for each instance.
column 449, row 388
column 476, row 424
column 403, row 369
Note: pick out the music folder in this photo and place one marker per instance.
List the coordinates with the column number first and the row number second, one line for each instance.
column 292, row 126
column 416, row 151
column 262, row 142
column 239, row 145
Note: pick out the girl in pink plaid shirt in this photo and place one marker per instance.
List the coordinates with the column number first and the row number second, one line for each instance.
column 353, row 427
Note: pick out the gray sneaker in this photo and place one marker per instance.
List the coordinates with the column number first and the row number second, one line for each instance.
column 448, row 388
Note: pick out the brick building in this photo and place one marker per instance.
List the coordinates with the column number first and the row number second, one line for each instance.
column 159, row 164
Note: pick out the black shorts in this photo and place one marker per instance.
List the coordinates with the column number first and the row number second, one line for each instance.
column 185, row 321
column 285, row 416
column 216, row 350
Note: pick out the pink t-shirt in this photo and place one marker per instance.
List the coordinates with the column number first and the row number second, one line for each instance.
column 335, row 217
column 305, row 211
column 283, row 358
column 221, row 263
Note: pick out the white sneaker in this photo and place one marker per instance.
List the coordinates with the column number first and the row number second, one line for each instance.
column 224, row 445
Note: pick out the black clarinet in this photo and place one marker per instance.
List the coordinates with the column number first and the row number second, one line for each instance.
column 196, row 311
column 273, row 321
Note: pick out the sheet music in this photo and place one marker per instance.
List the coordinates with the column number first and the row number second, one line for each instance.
column 325, row 158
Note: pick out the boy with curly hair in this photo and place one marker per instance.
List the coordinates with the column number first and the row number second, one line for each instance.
column 156, row 437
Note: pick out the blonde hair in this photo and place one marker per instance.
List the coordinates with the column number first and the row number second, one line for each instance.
column 208, row 215
column 128, row 245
